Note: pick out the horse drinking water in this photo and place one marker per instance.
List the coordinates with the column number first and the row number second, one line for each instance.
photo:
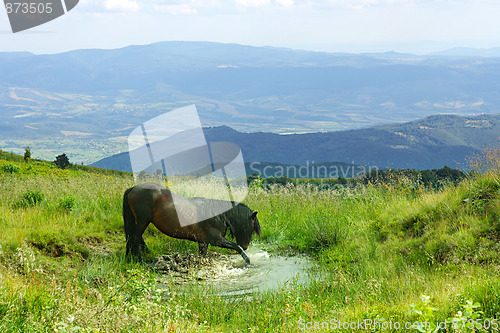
column 152, row 203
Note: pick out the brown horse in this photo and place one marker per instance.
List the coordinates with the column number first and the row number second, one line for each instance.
column 152, row 203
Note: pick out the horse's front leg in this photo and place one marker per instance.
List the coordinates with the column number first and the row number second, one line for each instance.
column 222, row 242
column 143, row 246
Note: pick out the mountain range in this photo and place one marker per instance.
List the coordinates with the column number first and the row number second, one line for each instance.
column 429, row 143
column 470, row 52
column 86, row 102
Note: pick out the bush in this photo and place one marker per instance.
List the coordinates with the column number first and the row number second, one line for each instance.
column 29, row 199
column 67, row 202
column 27, row 154
column 10, row 168
column 62, row 161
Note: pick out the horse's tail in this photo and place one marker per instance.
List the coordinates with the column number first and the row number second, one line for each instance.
column 128, row 219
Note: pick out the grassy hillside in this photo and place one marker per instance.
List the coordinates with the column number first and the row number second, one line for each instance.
column 386, row 253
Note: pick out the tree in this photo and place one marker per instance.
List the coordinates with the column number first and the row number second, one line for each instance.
column 62, row 161
column 27, row 154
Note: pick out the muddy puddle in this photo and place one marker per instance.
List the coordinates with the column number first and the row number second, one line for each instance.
column 229, row 276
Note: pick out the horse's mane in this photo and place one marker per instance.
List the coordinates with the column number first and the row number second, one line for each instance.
column 235, row 218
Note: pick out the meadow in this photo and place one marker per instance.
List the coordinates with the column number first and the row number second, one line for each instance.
column 390, row 253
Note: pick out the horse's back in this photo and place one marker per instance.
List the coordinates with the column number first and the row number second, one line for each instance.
column 148, row 190
column 144, row 197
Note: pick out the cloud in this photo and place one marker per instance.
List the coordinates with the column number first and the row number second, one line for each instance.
column 181, row 9
column 122, row 5
column 285, row 3
column 108, row 6
column 253, row 3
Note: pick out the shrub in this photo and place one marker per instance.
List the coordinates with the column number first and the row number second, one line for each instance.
column 30, row 199
column 62, row 161
column 10, row 168
column 67, row 202
column 27, row 154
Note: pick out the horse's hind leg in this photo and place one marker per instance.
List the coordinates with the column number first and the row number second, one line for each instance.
column 135, row 245
column 143, row 246
column 129, row 224
column 203, row 247
column 135, row 223
column 222, row 242
column 135, row 241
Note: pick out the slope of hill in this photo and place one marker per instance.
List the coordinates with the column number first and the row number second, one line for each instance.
column 429, row 143
column 63, row 266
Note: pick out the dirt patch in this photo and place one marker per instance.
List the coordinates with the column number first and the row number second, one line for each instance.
column 191, row 265
column 95, row 245
column 83, row 248
column 50, row 248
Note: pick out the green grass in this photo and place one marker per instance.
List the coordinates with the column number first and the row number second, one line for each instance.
column 86, row 149
column 377, row 249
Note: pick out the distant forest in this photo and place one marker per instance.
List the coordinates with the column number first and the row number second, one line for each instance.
column 435, row 178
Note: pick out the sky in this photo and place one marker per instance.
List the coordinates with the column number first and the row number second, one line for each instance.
column 414, row 26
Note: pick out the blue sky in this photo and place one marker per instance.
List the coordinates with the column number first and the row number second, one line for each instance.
column 417, row 26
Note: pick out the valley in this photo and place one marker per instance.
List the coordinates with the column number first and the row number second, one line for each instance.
column 86, row 102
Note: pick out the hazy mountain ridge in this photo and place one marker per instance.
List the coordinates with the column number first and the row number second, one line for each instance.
column 429, row 143
column 87, row 101
column 248, row 88
column 470, row 52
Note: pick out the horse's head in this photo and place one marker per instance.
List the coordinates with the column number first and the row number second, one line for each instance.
column 243, row 223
